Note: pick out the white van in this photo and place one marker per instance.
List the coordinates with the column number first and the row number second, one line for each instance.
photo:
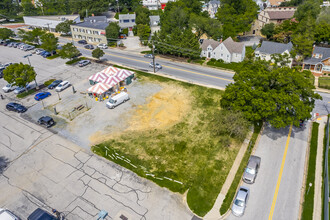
column 117, row 100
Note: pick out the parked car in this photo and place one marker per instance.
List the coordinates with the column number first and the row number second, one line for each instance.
column 40, row 214
column 6, row 43
column 28, row 47
column 46, row 121
column 19, row 90
column 117, row 100
column 42, row 95
column 102, row 46
column 8, row 88
column 21, row 46
column 7, row 215
column 11, row 44
column 251, row 170
column 82, row 42
column 54, row 84
column 240, row 201
column 88, row 46
column 46, row 54
column 1, row 71
column 122, row 36
column 63, row 85
column 150, row 56
column 5, row 65
column 83, row 63
column 39, row 51
column 157, row 65
column 15, row 44
column 15, row 107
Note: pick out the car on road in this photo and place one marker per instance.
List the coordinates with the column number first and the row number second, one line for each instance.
column 157, row 65
column 251, row 170
column 7, row 215
column 63, row 85
column 82, row 42
column 240, row 201
column 54, row 84
column 9, row 88
column 102, row 46
column 149, row 55
column 83, row 63
column 40, row 214
column 46, row 121
column 89, row 47
column 42, row 95
column 15, row 107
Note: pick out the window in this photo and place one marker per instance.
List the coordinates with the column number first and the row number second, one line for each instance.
column 83, row 30
column 221, row 55
column 133, row 20
column 317, row 55
column 221, row 47
column 126, row 21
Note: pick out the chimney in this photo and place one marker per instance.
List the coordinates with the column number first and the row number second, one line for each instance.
column 220, row 40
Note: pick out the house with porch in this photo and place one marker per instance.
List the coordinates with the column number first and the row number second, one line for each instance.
column 228, row 50
column 319, row 62
column 268, row 48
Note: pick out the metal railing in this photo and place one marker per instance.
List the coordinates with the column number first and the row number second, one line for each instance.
column 326, row 177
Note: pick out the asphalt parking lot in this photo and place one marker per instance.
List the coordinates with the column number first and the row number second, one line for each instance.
column 43, row 169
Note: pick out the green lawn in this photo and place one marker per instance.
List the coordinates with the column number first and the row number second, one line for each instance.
column 186, row 156
column 223, row 65
column 237, row 179
column 324, row 82
column 308, row 205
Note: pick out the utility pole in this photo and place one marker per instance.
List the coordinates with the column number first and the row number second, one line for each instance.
column 153, row 56
column 27, row 56
column 117, row 6
column 86, row 13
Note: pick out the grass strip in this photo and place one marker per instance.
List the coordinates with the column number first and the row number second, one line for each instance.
column 237, row 179
column 324, row 82
column 308, row 205
column 24, row 94
column 221, row 64
column 75, row 60
column 53, row 57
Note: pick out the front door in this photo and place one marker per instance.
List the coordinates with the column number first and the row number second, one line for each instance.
column 319, row 67
column 209, row 55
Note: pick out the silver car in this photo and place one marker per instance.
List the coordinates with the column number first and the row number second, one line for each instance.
column 157, row 65
column 251, row 169
column 240, row 201
column 63, row 85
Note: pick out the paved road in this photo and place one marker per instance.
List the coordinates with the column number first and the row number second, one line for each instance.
column 271, row 149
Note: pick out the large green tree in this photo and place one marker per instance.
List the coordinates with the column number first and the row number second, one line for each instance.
column 64, row 27
column 98, row 53
column 28, row 8
column 303, row 37
column 49, row 42
column 280, row 96
column 142, row 16
column 309, row 8
column 205, row 25
column 322, row 32
column 6, row 33
column 112, row 31
column 31, row 36
column 237, row 16
column 143, row 31
column 69, row 51
column 19, row 74
column 268, row 30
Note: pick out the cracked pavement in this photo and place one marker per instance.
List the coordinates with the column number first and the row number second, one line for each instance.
column 47, row 171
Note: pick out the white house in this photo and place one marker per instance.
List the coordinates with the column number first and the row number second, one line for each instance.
column 228, row 50
column 269, row 48
column 156, row 4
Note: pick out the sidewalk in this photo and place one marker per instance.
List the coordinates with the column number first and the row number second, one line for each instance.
column 317, row 213
column 214, row 213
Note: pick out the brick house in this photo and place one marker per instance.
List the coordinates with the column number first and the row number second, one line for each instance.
column 319, row 63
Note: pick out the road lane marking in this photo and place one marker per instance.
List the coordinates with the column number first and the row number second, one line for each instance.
column 201, row 74
column 270, row 217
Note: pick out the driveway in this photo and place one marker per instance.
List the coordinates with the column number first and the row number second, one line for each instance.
column 272, row 145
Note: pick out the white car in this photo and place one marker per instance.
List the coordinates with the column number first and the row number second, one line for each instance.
column 157, row 66
column 7, row 215
column 39, row 51
column 22, row 46
column 102, row 46
column 8, row 88
column 63, row 85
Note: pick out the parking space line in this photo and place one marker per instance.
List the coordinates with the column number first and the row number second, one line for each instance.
column 270, row 217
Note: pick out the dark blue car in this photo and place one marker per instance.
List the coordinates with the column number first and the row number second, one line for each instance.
column 46, row 54
column 42, row 95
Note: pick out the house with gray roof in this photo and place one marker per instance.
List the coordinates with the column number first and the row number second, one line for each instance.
column 319, row 62
column 269, row 48
column 127, row 21
column 228, row 50
column 92, row 30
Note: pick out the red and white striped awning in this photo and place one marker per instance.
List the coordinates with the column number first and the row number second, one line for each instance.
column 110, row 70
column 112, row 80
column 124, row 73
column 98, row 77
column 99, row 88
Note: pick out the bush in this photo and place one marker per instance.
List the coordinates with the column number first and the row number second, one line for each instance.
column 117, row 15
column 24, row 94
column 125, row 31
column 75, row 60
column 146, row 52
column 48, row 82
column 53, row 57
column 222, row 64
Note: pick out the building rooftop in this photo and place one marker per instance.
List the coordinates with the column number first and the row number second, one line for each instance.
column 56, row 17
column 154, row 20
column 232, row 46
column 97, row 19
column 207, row 42
column 95, row 25
column 322, row 53
column 127, row 16
column 269, row 47
column 275, row 15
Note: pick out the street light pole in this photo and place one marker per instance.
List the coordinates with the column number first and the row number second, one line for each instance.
column 153, row 56
column 27, row 56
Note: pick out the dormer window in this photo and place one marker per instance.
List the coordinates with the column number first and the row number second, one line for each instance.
column 317, row 55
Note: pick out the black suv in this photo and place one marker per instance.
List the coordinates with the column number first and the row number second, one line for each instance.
column 40, row 214
column 54, row 84
column 46, row 121
column 82, row 42
column 12, row 106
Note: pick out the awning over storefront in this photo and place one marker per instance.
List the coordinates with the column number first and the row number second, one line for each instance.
column 99, row 88
column 111, row 70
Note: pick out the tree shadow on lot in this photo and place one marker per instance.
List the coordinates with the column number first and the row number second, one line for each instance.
column 3, row 163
